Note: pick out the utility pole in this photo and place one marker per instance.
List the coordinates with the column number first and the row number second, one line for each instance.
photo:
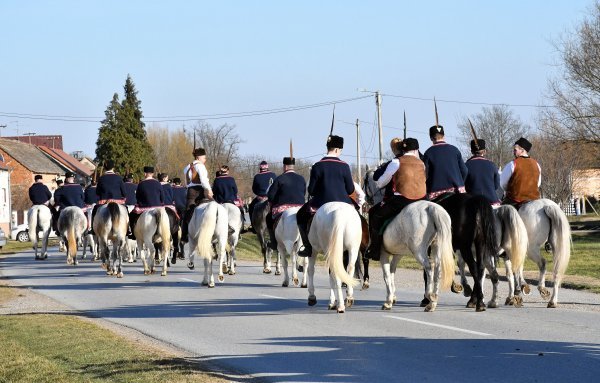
column 378, row 103
column 29, row 134
column 2, row 127
column 358, row 174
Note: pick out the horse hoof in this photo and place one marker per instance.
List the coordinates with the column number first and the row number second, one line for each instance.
column 365, row 285
column 163, row 274
column 526, row 289
column 296, row 281
column 104, row 266
column 552, row 305
column 221, row 278
column 544, row 293
column 509, row 301
column 285, row 284
column 470, row 305
column 341, row 310
column 349, row 302
column 312, row 300
column 266, row 271
column 332, row 306
column 480, row 308
column 204, row 283
column 467, row 291
column 211, row 285
column 386, row 306
column 430, row 307
column 120, row 275
column 277, row 272
column 493, row 305
column 518, row 301
column 304, row 285
column 456, row 288
column 173, row 261
column 424, row 302
column 224, row 268
column 146, row 272
column 191, row 266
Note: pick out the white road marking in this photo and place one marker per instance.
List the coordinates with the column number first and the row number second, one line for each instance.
column 438, row 325
column 189, row 280
column 272, row 296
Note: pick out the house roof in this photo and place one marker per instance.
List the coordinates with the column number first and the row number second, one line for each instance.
column 67, row 160
column 30, row 157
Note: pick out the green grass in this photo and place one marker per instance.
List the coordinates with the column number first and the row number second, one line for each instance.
column 16, row 246
column 64, row 348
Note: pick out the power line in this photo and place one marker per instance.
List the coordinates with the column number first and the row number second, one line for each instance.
column 467, row 102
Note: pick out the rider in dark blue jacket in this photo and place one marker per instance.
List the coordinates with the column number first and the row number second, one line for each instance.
column 149, row 193
column 70, row 194
column 224, row 187
column 89, row 195
column 110, row 187
column 167, row 188
column 260, row 185
column 130, row 189
column 330, row 180
column 179, row 196
column 483, row 178
column 39, row 194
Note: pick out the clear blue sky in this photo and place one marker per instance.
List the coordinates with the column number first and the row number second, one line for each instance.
column 67, row 58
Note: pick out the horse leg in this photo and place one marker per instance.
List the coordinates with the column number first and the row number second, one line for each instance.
column 477, row 269
column 209, row 279
column 464, row 283
column 310, row 269
column 491, row 267
column 232, row 262
column 144, row 255
column 284, row 259
column 365, row 261
column 387, row 280
column 353, row 255
column 175, row 236
column 534, row 254
column 332, row 293
column 120, row 246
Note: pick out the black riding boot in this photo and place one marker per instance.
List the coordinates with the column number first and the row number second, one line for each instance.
column 374, row 250
column 272, row 241
column 302, row 218
column 187, row 217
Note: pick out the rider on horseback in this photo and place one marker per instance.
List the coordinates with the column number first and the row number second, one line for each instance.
column 130, row 188
column 396, row 150
column 39, row 194
column 167, row 188
column 179, row 196
column 111, row 188
column 89, row 195
column 330, row 180
column 149, row 194
column 71, row 194
column 260, row 184
column 226, row 191
column 288, row 190
column 483, row 178
column 198, row 187
column 446, row 170
column 407, row 175
column 521, row 177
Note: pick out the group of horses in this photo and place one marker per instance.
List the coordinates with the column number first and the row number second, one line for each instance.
column 461, row 225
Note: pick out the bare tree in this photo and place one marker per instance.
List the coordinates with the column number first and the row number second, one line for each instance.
column 499, row 127
column 576, row 92
column 221, row 144
column 172, row 149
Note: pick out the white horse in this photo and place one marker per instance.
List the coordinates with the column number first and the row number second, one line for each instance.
column 110, row 223
column 152, row 228
column 89, row 238
column 207, row 231
column 546, row 222
column 288, row 244
column 418, row 226
column 234, row 217
column 71, row 225
column 335, row 228
column 39, row 219
column 511, row 235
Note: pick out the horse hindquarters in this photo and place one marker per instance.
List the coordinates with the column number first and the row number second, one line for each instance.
column 560, row 241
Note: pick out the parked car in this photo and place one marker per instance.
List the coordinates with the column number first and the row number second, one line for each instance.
column 21, row 233
column 2, row 238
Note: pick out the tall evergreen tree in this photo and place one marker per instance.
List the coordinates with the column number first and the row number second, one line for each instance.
column 122, row 136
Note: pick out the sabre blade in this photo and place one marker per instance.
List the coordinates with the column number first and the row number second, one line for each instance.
column 404, row 125
column 474, row 134
column 437, row 123
column 332, row 121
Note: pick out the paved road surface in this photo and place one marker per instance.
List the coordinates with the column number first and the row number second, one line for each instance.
column 251, row 325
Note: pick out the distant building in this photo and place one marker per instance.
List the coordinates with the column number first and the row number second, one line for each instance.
column 50, row 141
column 82, row 173
column 5, row 208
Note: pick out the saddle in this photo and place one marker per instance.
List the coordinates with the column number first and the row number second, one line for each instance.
column 443, row 196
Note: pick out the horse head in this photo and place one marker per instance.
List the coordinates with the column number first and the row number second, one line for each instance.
column 374, row 195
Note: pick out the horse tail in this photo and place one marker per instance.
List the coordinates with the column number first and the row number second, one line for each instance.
column 513, row 226
column 33, row 219
column 115, row 213
column 485, row 230
column 334, row 257
column 206, row 225
column 163, row 227
column 445, row 253
column 71, row 240
column 560, row 238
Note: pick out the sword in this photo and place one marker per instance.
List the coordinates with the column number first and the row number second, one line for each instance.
column 473, row 134
column 405, row 124
column 291, row 149
column 437, row 123
column 332, row 121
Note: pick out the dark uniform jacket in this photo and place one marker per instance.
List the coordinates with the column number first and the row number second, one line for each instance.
column 288, row 188
column 180, row 196
column 444, row 167
column 225, row 189
column 130, row 189
column 483, row 178
column 110, row 186
column 168, row 193
column 261, row 181
column 150, row 193
column 89, row 195
column 330, row 180
column 39, row 193
column 69, row 195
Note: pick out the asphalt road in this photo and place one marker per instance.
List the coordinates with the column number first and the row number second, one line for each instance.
column 252, row 326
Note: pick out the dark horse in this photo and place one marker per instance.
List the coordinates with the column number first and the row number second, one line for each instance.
column 174, row 228
column 473, row 224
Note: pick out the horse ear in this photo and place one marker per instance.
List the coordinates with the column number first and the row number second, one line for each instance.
column 367, row 167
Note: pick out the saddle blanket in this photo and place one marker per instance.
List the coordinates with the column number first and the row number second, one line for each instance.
column 105, row 201
column 277, row 210
column 140, row 210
